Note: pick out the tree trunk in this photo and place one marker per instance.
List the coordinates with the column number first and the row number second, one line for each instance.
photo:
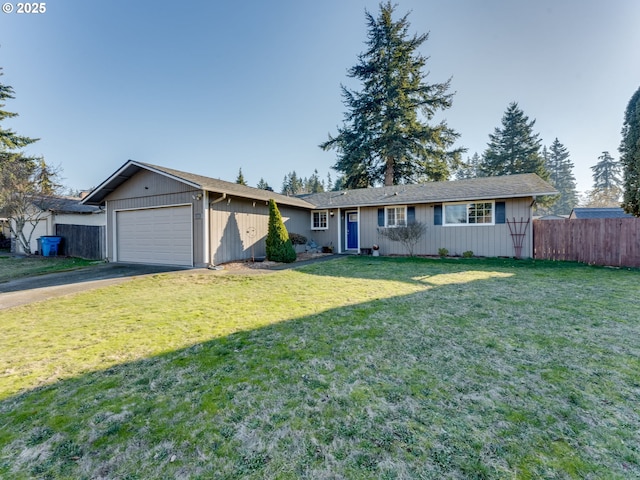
column 389, row 171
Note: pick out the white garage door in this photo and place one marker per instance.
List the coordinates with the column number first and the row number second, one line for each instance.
column 155, row 235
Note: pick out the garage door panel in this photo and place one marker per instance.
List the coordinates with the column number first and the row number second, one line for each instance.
column 155, row 235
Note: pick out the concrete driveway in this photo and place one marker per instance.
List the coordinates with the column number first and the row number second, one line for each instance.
column 42, row 287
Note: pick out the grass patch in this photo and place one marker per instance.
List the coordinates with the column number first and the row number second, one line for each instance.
column 354, row 368
column 12, row 267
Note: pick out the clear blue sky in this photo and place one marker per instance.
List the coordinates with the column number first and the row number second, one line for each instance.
column 210, row 86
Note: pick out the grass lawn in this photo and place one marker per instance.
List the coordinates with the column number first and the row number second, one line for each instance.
column 354, row 368
column 12, row 267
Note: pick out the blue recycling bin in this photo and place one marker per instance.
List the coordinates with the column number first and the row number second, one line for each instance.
column 50, row 245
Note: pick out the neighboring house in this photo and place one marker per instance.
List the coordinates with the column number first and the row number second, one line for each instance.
column 598, row 212
column 164, row 216
column 64, row 216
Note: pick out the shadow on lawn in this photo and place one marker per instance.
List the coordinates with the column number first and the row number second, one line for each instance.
column 362, row 391
column 183, row 412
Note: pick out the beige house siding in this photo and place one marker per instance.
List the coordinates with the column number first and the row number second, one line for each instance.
column 238, row 227
column 486, row 241
column 150, row 190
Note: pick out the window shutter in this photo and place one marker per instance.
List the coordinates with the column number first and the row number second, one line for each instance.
column 411, row 215
column 500, row 212
column 381, row 217
column 437, row 214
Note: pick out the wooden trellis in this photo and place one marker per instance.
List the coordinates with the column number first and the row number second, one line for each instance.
column 518, row 230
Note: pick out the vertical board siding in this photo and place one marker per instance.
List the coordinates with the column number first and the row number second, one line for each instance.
column 238, row 228
column 482, row 240
column 598, row 241
column 83, row 241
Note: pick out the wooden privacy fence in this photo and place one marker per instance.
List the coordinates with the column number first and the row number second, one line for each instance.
column 598, row 241
column 84, row 241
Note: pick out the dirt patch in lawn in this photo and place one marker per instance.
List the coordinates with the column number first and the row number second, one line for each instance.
column 248, row 265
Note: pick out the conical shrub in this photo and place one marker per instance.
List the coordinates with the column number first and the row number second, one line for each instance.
column 279, row 246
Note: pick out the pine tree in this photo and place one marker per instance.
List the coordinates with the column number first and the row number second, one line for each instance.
column 329, row 185
column 630, row 155
column 262, row 185
column 561, row 176
column 514, row 148
column 314, row 184
column 240, row 179
column 279, row 246
column 292, row 185
column 607, row 183
column 386, row 137
column 470, row 169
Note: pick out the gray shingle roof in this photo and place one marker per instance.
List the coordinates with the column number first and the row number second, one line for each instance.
column 613, row 212
column 64, row 205
column 129, row 169
column 484, row 188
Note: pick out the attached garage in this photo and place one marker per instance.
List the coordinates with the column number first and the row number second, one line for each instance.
column 160, row 236
column 157, row 215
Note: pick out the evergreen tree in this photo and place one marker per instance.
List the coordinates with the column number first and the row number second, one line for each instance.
column 314, row 184
column 278, row 243
column 630, row 155
column 470, row 169
column 9, row 140
column 607, row 183
column 240, row 179
column 329, row 185
column 561, row 176
column 606, row 173
column 292, row 185
column 262, row 185
column 386, row 137
column 514, row 148
column 22, row 179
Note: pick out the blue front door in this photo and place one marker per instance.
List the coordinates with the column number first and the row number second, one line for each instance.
column 352, row 230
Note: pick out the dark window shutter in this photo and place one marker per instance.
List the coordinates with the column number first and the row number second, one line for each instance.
column 381, row 217
column 501, row 213
column 411, row 215
column 437, row 214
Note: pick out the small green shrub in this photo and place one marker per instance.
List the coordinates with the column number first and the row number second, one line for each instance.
column 298, row 239
column 467, row 254
column 443, row 252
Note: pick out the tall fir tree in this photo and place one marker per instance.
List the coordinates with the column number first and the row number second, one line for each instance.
column 514, row 148
column 262, row 185
column 630, row 155
column 240, row 178
column 314, row 184
column 607, row 183
column 292, row 184
column 561, row 176
column 386, row 136
column 470, row 169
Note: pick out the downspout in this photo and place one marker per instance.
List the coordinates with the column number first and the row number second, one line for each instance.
column 339, row 231
column 205, row 226
column 217, row 200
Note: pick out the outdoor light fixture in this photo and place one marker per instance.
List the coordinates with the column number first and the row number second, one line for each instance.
column 197, row 196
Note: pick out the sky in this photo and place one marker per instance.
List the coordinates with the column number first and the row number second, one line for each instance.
column 210, row 87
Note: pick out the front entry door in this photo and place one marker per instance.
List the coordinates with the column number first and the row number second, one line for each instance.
column 352, row 230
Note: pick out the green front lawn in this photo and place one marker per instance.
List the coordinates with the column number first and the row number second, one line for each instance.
column 12, row 267
column 353, row 368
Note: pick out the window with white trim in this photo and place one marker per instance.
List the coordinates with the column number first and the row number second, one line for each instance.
column 477, row 213
column 395, row 217
column 319, row 220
